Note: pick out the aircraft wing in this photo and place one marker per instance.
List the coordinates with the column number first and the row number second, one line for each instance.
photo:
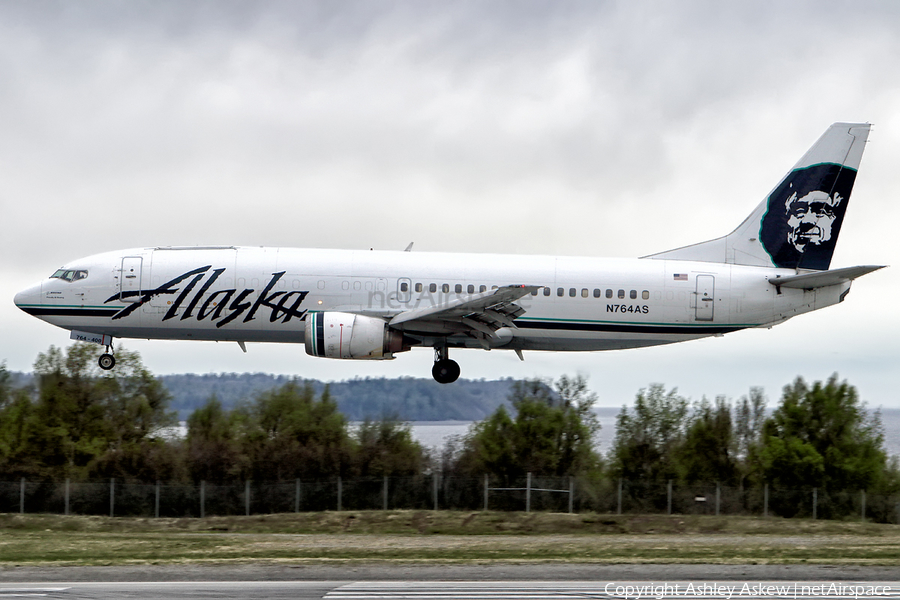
column 479, row 315
column 809, row 281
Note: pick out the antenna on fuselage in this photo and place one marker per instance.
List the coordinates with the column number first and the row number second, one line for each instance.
column 409, row 248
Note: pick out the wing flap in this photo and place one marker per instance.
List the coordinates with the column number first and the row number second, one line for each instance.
column 481, row 314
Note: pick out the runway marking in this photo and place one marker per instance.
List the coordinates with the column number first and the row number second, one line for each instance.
column 42, row 592
column 545, row 590
column 467, row 591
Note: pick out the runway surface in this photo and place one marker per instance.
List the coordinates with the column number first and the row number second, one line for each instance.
column 461, row 590
column 456, row 582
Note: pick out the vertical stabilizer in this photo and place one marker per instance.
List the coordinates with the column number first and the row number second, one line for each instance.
column 798, row 223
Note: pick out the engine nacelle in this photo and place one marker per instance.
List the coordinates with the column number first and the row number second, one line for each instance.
column 345, row 335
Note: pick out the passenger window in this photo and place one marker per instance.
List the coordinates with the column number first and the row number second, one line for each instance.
column 320, row 284
column 458, row 288
column 432, row 287
column 621, row 294
column 404, row 287
column 584, row 293
column 445, row 288
column 633, row 294
column 493, row 287
column 609, row 293
column 345, row 285
column 572, row 292
column 482, row 288
column 357, row 286
column 645, row 295
column 369, row 286
column 418, row 287
column 534, row 292
column 470, row 289
column 560, row 292
column 546, row 291
column 596, row 293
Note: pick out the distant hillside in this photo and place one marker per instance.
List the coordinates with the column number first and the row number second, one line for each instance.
column 407, row 398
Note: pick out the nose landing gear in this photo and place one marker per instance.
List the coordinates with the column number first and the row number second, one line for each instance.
column 107, row 361
column 444, row 369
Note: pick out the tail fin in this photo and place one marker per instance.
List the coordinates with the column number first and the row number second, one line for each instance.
column 798, row 224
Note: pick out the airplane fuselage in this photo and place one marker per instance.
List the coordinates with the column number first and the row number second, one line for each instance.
column 263, row 295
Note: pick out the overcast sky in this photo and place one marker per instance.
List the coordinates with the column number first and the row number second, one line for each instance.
column 569, row 128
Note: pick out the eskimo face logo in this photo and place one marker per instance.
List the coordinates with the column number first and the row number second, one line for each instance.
column 810, row 218
column 804, row 216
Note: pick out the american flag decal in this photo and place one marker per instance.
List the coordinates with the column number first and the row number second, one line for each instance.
column 680, row 276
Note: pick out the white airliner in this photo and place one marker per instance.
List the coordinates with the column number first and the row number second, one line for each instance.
column 371, row 305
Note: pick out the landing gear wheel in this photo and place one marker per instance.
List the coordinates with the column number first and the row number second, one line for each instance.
column 445, row 371
column 107, row 361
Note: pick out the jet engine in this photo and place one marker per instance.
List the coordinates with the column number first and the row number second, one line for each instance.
column 345, row 335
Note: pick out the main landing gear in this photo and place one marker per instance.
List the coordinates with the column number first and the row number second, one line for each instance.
column 107, row 361
column 444, row 369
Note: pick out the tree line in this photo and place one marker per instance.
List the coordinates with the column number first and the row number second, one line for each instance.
column 78, row 422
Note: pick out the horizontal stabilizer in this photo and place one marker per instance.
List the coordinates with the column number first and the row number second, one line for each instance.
column 811, row 281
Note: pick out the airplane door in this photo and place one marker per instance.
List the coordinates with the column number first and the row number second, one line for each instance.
column 130, row 279
column 706, row 297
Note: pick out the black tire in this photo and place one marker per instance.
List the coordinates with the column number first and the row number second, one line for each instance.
column 445, row 371
column 106, row 361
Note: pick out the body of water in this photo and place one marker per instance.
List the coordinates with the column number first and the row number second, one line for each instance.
column 433, row 434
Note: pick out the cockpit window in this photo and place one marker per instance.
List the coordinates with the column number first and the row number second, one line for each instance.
column 69, row 275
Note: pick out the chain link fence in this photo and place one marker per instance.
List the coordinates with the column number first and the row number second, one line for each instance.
column 434, row 492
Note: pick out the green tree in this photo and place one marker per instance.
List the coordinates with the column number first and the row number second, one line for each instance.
column 215, row 441
column 552, row 432
column 749, row 420
column 648, row 435
column 822, row 436
column 386, row 447
column 294, row 434
column 706, row 452
column 83, row 417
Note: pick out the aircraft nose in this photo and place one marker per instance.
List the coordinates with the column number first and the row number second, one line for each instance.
column 28, row 298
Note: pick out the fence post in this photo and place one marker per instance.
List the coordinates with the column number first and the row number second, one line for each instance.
column 112, row 496
column 385, row 494
column 669, row 493
column 486, row 481
column 247, row 497
column 863, row 492
column 571, row 494
column 765, row 500
column 717, row 498
column 156, row 503
column 297, row 496
column 434, row 481
column 340, row 493
column 815, row 501
column 67, row 496
column 202, row 498
column 619, row 509
column 528, row 492
column 22, row 497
